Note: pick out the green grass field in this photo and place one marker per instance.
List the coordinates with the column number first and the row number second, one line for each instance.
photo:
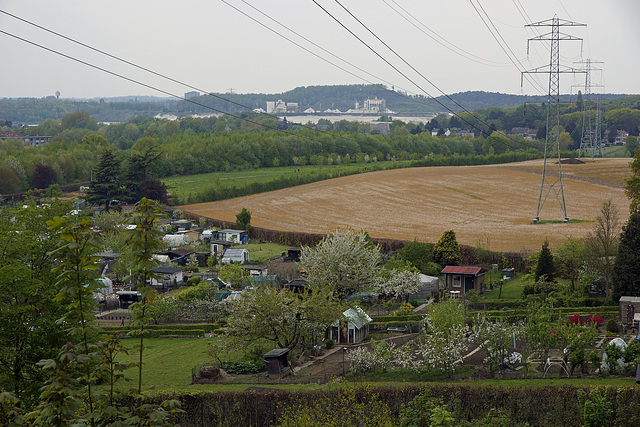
column 261, row 252
column 511, row 289
column 184, row 186
column 168, row 363
column 615, row 151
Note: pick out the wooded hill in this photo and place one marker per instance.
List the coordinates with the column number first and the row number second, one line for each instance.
column 343, row 97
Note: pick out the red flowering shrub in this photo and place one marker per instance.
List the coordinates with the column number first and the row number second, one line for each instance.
column 576, row 320
column 597, row 320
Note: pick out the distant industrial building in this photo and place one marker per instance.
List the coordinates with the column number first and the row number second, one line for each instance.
column 281, row 107
column 370, row 106
column 192, row 94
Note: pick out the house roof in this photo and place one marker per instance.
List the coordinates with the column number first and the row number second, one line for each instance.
column 428, row 279
column 234, row 252
column 165, row 270
column 221, row 242
column 230, row 230
column 180, row 251
column 629, row 299
column 356, row 316
column 464, row 270
column 276, row 352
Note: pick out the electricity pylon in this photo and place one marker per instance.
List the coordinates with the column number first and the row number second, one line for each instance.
column 552, row 174
column 590, row 138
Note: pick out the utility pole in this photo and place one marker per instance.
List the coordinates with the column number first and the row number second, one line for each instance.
column 552, row 174
column 590, row 138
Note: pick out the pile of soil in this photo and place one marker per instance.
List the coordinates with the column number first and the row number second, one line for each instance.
column 571, row 161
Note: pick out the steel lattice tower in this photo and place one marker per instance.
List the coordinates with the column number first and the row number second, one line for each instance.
column 552, row 173
column 590, row 138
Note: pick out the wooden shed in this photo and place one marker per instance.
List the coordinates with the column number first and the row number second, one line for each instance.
column 461, row 279
column 629, row 310
column 277, row 363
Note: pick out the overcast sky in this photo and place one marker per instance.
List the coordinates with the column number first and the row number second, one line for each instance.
column 212, row 46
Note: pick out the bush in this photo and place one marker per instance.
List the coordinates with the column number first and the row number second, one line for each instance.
column 243, row 368
column 328, row 344
column 194, row 280
column 612, row 326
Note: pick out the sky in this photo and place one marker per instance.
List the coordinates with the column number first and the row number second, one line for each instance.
column 418, row 46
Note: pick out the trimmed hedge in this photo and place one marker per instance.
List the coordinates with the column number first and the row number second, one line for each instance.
column 537, row 406
column 206, row 327
column 402, row 318
column 382, row 326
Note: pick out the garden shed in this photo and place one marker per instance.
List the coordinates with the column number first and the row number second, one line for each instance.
column 277, row 363
column 352, row 329
column 461, row 279
column 629, row 310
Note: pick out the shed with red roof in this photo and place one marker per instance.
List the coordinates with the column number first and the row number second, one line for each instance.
column 461, row 279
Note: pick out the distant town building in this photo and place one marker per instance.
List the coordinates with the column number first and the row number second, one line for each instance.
column 34, row 141
column 381, row 128
column 192, row 94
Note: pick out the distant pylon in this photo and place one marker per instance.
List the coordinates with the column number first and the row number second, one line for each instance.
column 590, row 138
column 552, row 174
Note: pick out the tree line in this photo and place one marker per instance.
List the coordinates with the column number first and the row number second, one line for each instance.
column 251, row 140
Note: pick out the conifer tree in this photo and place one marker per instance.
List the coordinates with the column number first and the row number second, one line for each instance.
column 105, row 186
column 545, row 268
column 626, row 271
column 447, row 250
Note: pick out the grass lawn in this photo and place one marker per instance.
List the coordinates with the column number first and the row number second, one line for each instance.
column 511, row 289
column 261, row 252
column 183, row 186
column 167, row 361
column 615, row 151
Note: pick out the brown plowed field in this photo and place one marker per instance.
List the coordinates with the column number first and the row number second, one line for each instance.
column 496, row 203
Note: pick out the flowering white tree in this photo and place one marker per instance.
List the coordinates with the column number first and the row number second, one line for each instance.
column 361, row 360
column 496, row 340
column 345, row 262
column 382, row 355
column 400, row 284
column 443, row 351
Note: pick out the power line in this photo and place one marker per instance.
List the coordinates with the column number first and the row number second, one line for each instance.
column 113, row 73
column 152, row 72
column 440, row 40
column 399, row 71
column 128, row 62
column 503, row 41
column 393, row 92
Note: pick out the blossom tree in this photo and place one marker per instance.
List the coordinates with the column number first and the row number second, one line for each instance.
column 399, row 284
column 345, row 262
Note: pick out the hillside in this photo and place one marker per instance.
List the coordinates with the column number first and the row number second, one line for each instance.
column 495, row 203
column 342, row 97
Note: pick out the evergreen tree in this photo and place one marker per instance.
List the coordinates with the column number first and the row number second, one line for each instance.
column 626, row 271
column 545, row 268
column 105, row 186
column 447, row 250
column 243, row 219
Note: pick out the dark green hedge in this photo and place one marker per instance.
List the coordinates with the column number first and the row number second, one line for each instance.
column 382, row 326
column 537, row 406
column 207, row 327
column 403, row 318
